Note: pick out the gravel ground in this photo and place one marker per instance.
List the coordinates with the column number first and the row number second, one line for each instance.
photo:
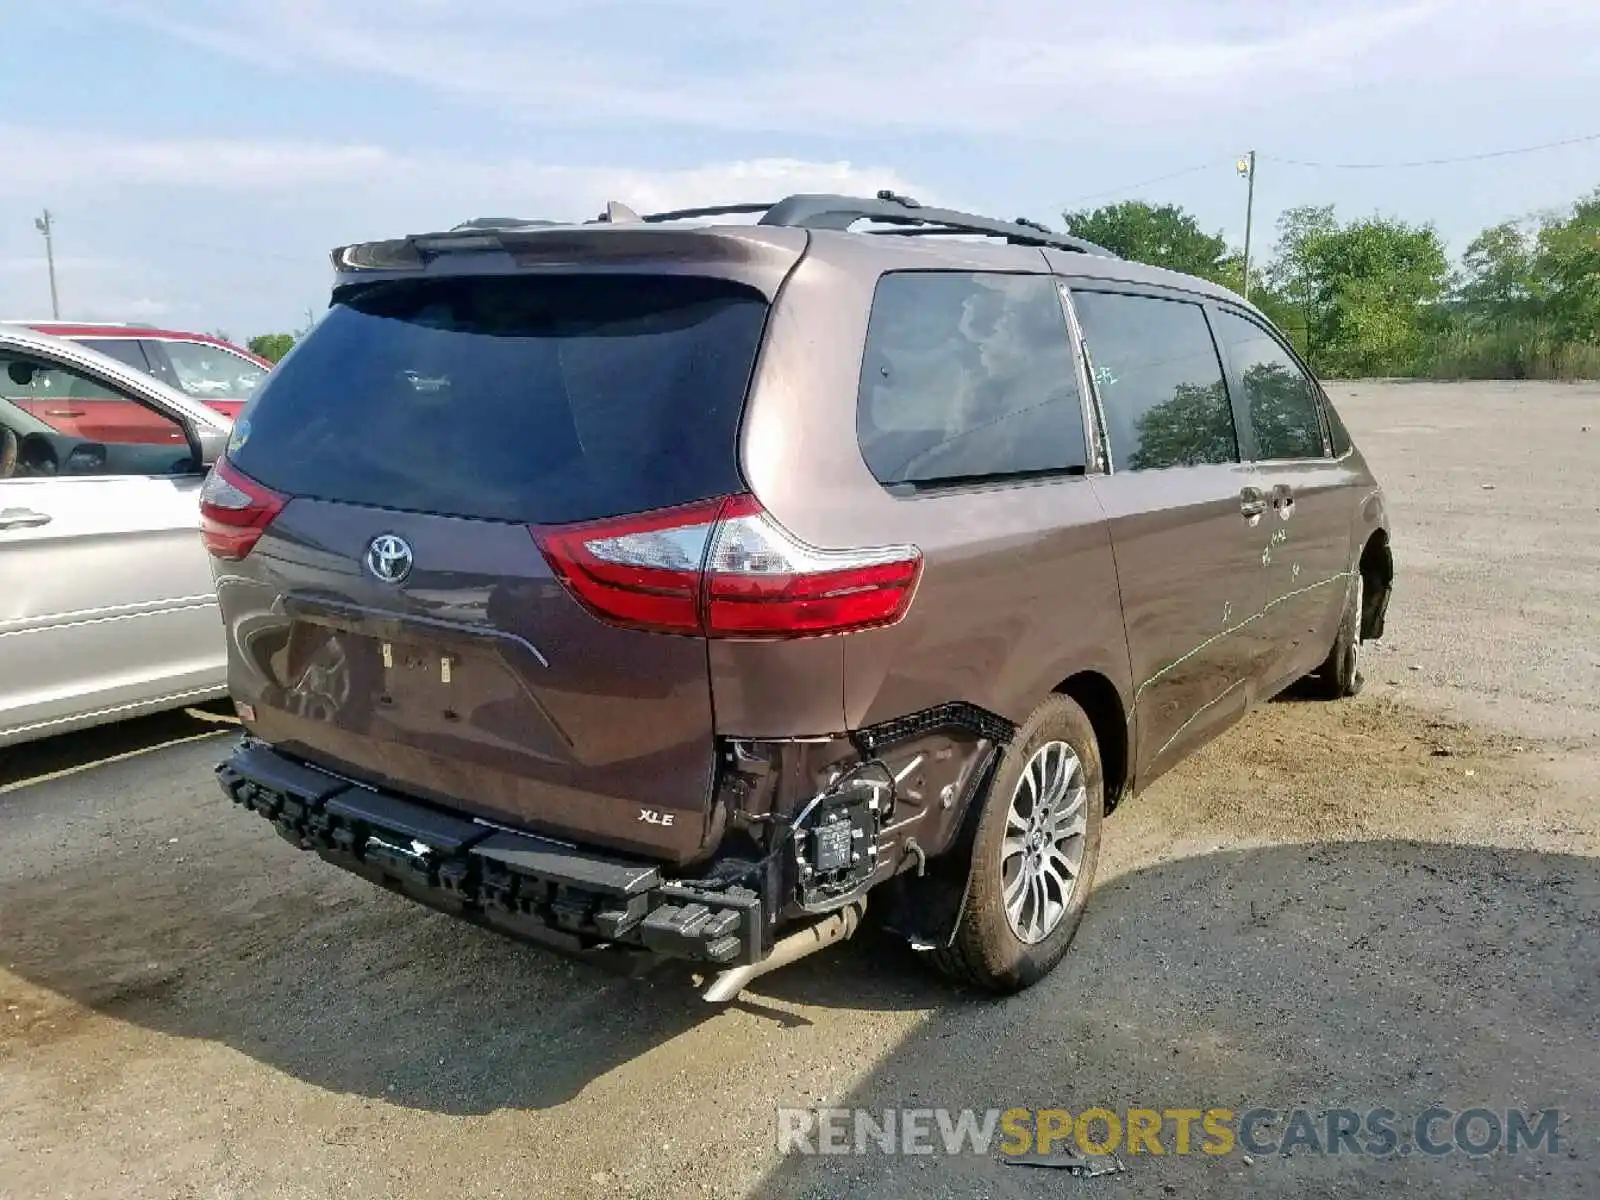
column 1389, row 902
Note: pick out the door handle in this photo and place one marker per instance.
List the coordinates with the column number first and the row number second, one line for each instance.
column 22, row 518
column 1252, row 502
column 1283, row 500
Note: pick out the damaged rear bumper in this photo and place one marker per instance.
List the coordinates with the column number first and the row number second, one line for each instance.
column 517, row 884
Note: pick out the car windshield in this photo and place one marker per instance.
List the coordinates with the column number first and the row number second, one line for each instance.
column 210, row 372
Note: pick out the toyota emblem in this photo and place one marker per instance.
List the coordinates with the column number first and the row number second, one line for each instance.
column 389, row 558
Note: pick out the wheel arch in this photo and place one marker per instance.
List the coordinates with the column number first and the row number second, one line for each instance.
column 1376, row 568
column 1108, row 716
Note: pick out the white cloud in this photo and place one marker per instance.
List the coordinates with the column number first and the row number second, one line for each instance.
column 35, row 265
column 92, row 288
column 46, row 159
column 1032, row 67
column 65, row 160
column 206, row 228
column 113, row 307
column 581, row 191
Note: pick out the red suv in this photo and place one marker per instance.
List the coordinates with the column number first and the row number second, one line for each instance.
column 213, row 371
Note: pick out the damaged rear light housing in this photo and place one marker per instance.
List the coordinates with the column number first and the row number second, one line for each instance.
column 235, row 511
column 725, row 568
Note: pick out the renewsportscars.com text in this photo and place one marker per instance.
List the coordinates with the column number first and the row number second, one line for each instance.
column 1375, row 1132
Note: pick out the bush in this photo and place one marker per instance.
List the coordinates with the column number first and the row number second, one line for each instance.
column 1511, row 350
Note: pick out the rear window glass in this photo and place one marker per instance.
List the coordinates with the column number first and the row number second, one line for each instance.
column 968, row 377
column 521, row 398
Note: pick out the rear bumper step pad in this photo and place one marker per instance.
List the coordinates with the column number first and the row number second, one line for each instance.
column 517, row 884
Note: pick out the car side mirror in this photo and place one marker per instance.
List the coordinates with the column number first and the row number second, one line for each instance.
column 212, row 443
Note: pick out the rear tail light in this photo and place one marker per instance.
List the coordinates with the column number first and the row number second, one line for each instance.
column 725, row 568
column 235, row 511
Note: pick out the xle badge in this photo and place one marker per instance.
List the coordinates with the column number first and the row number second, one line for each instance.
column 651, row 817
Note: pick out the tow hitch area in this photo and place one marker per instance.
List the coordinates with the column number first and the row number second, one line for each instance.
column 517, row 884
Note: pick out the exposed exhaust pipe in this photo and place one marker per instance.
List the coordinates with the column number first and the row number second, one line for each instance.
column 836, row 927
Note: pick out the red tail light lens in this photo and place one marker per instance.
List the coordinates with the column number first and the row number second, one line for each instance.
column 235, row 511
column 725, row 568
column 643, row 572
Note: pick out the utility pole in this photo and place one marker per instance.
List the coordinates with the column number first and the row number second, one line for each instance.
column 1247, row 168
column 45, row 226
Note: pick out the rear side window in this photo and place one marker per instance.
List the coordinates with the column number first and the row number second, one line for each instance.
column 968, row 377
column 1281, row 400
column 124, row 350
column 541, row 399
column 1159, row 379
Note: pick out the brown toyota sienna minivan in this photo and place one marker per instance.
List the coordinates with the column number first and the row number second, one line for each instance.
column 677, row 584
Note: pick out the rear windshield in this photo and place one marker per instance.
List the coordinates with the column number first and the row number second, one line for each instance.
column 521, row 398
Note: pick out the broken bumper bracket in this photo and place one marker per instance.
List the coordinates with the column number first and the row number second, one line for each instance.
column 518, row 884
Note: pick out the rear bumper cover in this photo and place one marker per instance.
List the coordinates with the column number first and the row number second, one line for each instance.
column 517, row 884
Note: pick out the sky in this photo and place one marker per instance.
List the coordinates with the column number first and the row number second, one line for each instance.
column 201, row 157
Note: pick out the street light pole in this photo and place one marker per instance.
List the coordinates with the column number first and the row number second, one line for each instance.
column 46, row 225
column 1247, row 168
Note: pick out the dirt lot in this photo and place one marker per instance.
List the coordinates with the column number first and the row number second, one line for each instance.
column 1394, row 902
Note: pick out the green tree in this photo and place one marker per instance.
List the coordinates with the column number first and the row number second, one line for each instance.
column 272, row 346
column 1194, row 427
column 1566, row 268
column 1161, row 235
column 1366, row 289
column 1497, row 274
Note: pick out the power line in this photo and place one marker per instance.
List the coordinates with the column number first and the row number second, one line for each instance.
column 1435, row 162
column 1133, row 187
column 1336, row 166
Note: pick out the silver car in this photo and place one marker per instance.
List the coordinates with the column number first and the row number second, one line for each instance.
column 107, row 605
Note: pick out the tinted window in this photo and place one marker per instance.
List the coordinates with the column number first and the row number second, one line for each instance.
column 1160, row 381
column 968, row 377
column 66, row 422
column 209, row 372
column 522, row 398
column 124, row 350
column 1282, row 401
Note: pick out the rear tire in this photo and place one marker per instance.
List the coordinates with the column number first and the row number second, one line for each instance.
column 1033, row 854
column 1340, row 677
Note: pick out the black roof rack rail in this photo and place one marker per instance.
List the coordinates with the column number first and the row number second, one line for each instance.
column 714, row 210
column 905, row 216
column 818, row 211
column 841, row 212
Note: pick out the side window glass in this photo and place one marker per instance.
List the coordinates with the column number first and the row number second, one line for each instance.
column 124, row 350
column 968, row 377
column 160, row 367
column 1159, row 379
column 1281, row 400
column 209, row 372
column 62, row 421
